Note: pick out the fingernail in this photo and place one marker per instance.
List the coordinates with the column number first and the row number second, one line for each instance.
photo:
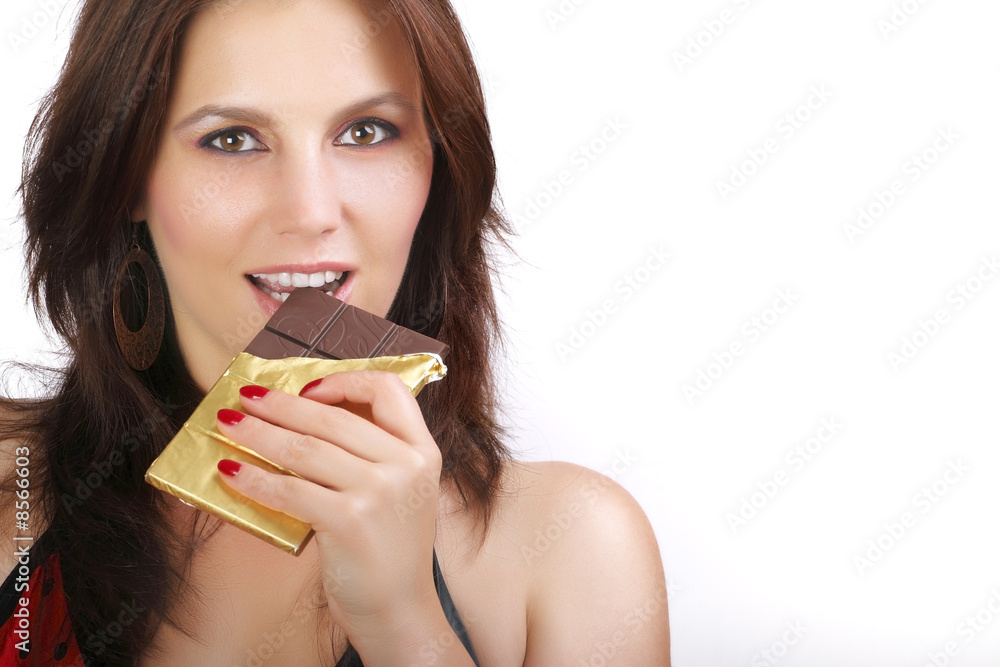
column 231, row 417
column 314, row 383
column 254, row 392
column 229, row 468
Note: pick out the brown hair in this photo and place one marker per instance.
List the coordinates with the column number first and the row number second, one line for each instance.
column 86, row 156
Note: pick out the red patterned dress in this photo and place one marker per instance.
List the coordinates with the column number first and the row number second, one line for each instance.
column 36, row 626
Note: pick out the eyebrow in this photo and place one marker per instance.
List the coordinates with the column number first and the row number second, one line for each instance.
column 259, row 117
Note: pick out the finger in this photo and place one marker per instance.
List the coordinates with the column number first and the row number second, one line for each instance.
column 318, row 506
column 329, row 423
column 316, row 460
column 393, row 407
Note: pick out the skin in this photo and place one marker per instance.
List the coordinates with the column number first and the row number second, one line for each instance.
column 293, row 190
column 569, row 570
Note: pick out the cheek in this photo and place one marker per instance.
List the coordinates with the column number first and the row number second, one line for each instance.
column 191, row 214
column 393, row 195
column 167, row 224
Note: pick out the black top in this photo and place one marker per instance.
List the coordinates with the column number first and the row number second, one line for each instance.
column 352, row 659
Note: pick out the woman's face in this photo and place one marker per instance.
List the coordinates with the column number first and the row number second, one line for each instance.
column 294, row 149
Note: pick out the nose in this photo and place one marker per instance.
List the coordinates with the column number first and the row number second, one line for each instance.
column 307, row 193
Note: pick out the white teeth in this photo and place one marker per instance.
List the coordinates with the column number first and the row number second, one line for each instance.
column 288, row 279
column 282, row 296
column 275, row 295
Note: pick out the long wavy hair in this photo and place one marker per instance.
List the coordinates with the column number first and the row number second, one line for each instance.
column 86, row 157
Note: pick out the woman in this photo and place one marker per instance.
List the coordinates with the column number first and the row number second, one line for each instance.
column 327, row 140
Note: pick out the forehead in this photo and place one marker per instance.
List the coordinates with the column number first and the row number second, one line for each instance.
column 292, row 54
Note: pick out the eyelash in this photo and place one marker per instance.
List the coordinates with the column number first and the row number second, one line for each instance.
column 391, row 131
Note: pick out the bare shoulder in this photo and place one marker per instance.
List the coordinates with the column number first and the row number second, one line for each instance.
column 596, row 582
column 565, row 507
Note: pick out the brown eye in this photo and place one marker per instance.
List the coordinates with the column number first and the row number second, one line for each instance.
column 363, row 133
column 233, row 141
column 367, row 133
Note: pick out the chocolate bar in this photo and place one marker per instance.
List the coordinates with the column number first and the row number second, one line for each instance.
column 310, row 336
column 311, row 323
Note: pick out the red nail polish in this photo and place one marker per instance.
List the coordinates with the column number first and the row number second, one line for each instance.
column 229, row 468
column 231, row 417
column 254, row 392
column 311, row 385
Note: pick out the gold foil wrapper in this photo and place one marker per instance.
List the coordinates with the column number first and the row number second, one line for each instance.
column 187, row 466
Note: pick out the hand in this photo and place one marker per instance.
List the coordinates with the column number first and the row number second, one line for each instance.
column 358, row 482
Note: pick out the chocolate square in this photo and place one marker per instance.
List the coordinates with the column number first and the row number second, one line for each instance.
column 311, row 323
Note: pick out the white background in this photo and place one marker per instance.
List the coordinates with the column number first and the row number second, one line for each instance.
column 607, row 390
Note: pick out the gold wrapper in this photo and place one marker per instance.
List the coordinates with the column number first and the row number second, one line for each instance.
column 187, row 466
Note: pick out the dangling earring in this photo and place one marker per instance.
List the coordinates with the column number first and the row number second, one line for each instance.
column 140, row 347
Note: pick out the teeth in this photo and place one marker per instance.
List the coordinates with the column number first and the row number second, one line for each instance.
column 318, row 279
column 275, row 295
column 287, row 279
